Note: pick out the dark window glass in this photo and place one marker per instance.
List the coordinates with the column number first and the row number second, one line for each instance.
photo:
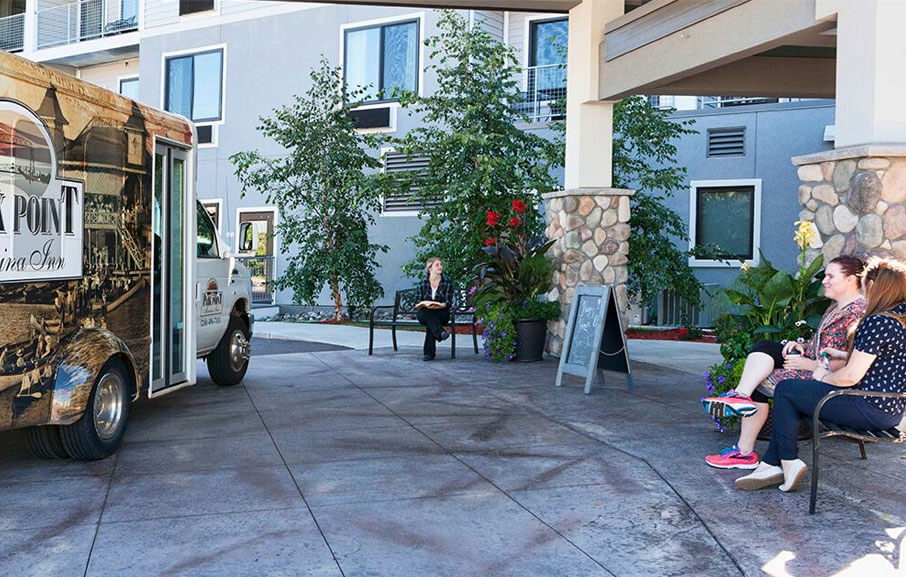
column 193, row 6
column 382, row 59
column 724, row 218
column 194, row 86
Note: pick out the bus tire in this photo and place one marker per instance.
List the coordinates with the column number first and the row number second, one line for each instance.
column 45, row 442
column 100, row 430
column 228, row 363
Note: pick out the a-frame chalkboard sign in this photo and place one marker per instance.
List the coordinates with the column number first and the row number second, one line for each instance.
column 595, row 340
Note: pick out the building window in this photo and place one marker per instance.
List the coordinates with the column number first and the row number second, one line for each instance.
column 381, row 59
column 725, row 220
column 547, row 55
column 194, row 86
column 193, row 6
column 129, row 87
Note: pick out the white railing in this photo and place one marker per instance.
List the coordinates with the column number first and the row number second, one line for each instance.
column 83, row 20
column 545, row 97
column 12, row 33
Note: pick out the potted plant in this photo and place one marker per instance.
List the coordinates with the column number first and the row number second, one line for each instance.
column 511, row 287
column 770, row 304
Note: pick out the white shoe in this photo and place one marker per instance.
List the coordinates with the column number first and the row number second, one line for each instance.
column 796, row 473
column 764, row 476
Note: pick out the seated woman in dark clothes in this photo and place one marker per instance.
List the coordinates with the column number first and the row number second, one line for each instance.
column 435, row 295
column 877, row 362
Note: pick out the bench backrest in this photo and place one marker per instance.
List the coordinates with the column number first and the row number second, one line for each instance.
column 404, row 301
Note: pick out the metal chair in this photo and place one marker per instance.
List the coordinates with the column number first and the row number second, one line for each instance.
column 824, row 429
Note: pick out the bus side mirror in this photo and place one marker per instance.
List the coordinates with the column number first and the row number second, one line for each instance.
column 246, row 237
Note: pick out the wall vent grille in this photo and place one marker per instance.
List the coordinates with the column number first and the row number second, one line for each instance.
column 727, row 141
column 411, row 200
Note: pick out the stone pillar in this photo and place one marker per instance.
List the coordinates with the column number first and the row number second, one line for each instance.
column 857, row 198
column 589, row 121
column 591, row 230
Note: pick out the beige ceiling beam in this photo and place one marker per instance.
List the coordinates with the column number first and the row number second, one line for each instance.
column 757, row 76
column 737, row 32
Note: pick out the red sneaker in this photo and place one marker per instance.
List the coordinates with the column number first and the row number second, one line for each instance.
column 731, row 458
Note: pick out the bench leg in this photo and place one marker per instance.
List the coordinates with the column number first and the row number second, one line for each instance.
column 453, row 341
column 862, row 448
column 393, row 332
column 475, row 337
column 370, row 338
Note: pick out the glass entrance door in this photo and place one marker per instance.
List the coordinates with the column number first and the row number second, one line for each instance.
column 169, row 342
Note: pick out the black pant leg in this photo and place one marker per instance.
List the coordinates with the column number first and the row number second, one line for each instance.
column 433, row 321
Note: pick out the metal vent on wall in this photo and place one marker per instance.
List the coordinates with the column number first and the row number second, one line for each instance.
column 727, row 141
column 367, row 118
column 205, row 134
column 408, row 201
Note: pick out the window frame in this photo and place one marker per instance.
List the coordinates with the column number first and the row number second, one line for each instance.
column 694, row 186
column 166, row 57
column 412, row 212
column 528, row 52
column 418, row 18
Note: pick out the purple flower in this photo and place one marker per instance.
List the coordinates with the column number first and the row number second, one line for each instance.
column 720, row 380
column 728, row 367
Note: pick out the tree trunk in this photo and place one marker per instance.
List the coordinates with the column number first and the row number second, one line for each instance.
column 337, row 298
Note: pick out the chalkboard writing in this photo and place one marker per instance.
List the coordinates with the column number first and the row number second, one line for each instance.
column 594, row 339
column 587, row 322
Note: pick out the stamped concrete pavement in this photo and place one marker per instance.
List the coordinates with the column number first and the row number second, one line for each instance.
column 336, row 463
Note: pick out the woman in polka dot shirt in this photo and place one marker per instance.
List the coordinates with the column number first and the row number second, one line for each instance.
column 877, row 362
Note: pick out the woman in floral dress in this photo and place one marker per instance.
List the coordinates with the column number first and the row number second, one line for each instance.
column 770, row 362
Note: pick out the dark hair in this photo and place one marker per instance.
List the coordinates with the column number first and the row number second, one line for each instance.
column 850, row 265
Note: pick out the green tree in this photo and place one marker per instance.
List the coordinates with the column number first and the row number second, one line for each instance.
column 644, row 158
column 478, row 159
column 324, row 192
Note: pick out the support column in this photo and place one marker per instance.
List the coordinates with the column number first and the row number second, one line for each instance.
column 870, row 81
column 591, row 229
column 589, row 121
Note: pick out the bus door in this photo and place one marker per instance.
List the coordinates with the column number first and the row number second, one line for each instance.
column 170, row 312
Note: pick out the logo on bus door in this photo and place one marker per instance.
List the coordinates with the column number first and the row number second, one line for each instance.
column 41, row 217
column 211, row 304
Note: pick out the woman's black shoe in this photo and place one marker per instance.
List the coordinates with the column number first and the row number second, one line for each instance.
column 428, row 358
column 444, row 335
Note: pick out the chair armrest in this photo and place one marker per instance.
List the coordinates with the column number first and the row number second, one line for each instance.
column 377, row 308
column 850, row 392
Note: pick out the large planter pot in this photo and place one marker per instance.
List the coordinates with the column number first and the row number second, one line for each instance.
column 530, row 337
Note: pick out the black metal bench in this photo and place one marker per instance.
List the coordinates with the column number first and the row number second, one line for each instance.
column 824, row 429
column 462, row 313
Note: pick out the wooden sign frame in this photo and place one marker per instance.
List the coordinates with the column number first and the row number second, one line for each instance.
column 608, row 334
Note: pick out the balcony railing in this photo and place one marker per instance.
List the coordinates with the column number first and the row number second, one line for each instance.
column 12, row 33
column 261, row 269
column 545, row 97
column 84, row 20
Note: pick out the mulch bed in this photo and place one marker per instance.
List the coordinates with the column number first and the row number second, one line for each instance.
column 668, row 335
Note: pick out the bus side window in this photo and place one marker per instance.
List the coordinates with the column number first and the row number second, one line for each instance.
column 206, row 238
column 246, row 237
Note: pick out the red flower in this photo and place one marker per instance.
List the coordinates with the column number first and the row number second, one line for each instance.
column 519, row 206
column 490, row 241
column 492, row 218
column 683, row 332
column 514, row 221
